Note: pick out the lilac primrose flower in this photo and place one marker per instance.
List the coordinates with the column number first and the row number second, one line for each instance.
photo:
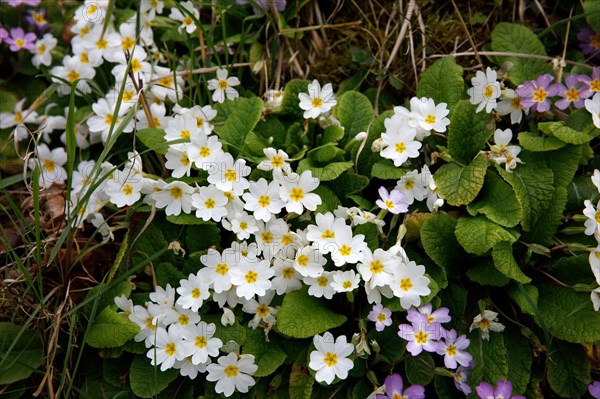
column 382, row 317
column 420, row 337
column 3, row 35
column 502, row 391
column 589, row 42
column 16, row 3
column 591, row 85
column 571, row 92
column 37, row 19
column 391, row 201
column 454, row 350
column 535, row 93
column 425, row 315
column 461, row 377
column 20, row 40
column 393, row 389
column 594, row 389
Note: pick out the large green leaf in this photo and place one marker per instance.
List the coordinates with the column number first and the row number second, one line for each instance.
column 19, row 357
column 519, row 357
column 505, row 262
column 569, row 314
column 442, row 81
column 268, row 356
column 301, row 382
column 244, row 116
column 592, row 13
column 459, row 185
column 485, row 273
column 478, row 235
column 154, row 139
column 325, row 173
column 525, row 298
column 491, row 363
column 535, row 143
column 564, row 133
column 304, row 316
column 468, row 131
column 533, row 185
column 147, row 380
column 367, row 158
column 420, row 369
column 355, row 113
column 498, row 202
column 514, row 38
column 290, row 103
column 386, row 170
column 439, row 241
column 111, row 330
column 543, row 230
column 568, row 369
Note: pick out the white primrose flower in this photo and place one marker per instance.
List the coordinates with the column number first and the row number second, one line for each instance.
column 251, row 278
column 178, row 160
column 229, row 175
column 228, row 318
column 124, row 189
column 485, row 90
column 167, row 349
column 345, row 281
column 188, row 369
column 138, row 65
column 377, row 268
column 320, row 286
column 174, row 197
column 146, row 320
column 50, row 164
column 206, row 152
column 42, row 52
column 232, row 373
column 486, row 322
column 187, row 22
column 592, row 224
column 295, row 191
column 286, row 278
column 218, row 267
column 209, row 203
column 181, row 318
column 317, row 101
column 181, row 127
column 199, row 344
column 323, row 232
column 124, row 304
column 104, row 113
column 166, row 86
column 19, row 117
column 348, row 248
column 263, row 199
column 203, row 116
column 413, row 186
column 73, row 71
column 163, row 297
column 374, row 294
column 158, row 112
column 309, row 262
column 243, row 225
column 401, row 144
column 223, row 86
column 595, row 297
column 592, row 105
column 410, row 284
column 596, row 179
column 193, row 292
column 502, row 152
column 275, row 162
column 151, row 7
column 430, row 116
column 510, row 103
column 330, row 359
column 261, row 310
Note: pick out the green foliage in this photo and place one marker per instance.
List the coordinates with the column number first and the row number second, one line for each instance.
column 355, row 113
column 268, row 355
column 386, row 170
column 568, row 369
column 564, row 133
column 592, row 13
column 442, row 81
column 497, row 201
column 514, row 38
column 486, row 273
column 505, row 262
column 468, row 132
column 146, row 380
column 420, row 369
column 244, row 115
column 440, row 243
column 111, row 330
column 459, row 185
column 154, row 139
column 290, row 101
column 21, row 352
column 490, row 357
column 478, row 235
column 304, row 316
column 520, row 358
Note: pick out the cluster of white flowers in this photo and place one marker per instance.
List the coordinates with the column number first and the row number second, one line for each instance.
column 504, row 153
column 592, row 227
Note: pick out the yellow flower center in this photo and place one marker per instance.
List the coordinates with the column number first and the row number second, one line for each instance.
column 167, row 81
column 108, row 119
column 597, row 217
column 264, row 201
column 488, row 92
column 50, row 165
column 136, row 65
column 322, row 281
column 230, row 175
column 389, row 204
column 328, row 234
column 251, row 277
column 317, row 102
column 223, row 84
column 188, row 21
column 204, row 152
column 405, row 284
column 201, row 341
column 20, row 42
column 430, row 119
column 287, row 239
column 185, row 160
column 185, row 134
column 376, row 267
column 287, row 273
column 92, row 9
column 38, row 17
column 101, row 44
column 128, row 95
column 595, row 40
column 176, row 192
column 430, row 318
column 400, row 147
column 409, row 184
column 209, row 203
column 222, row 268
column 149, row 324
column 330, row 359
column 421, row 337
column 262, row 310
column 516, row 103
column 199, row 122
column 73, row 75
column 381, row 317
column 451, row 350
column 196, row 293
column 302, row 260
column 347, row 284
column 170, row 349
column 277, row 161
column 18, row 117
column 297, row 194
column 345, row 250
column 243, row 225
column 127, row 43
column 267, row 237
column 128, row 189
column 540, row 95
column 230, row 371
column 42, row 48
column 484, row 323
column 84, row 31
column 595, row 85
column 572, row 94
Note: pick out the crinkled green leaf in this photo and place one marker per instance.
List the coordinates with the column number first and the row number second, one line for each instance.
column 153, row 138
column 111, row 330
column 505, row 262
column 186, row 218
column 442, row 81
column 491, row 363
column 533, row 185
column 330, row 201
column 332, row 134
column 329, row 172
column 519, row 357
column 201, row 237
column 386, row 170
column 523, row 299
column 105, row 295
column 301, row 382
column 592, row 13
column 564, row 133
column 235, row 332
column 439, row 241
column 419, row 369
column 166, row 273
column 367, row 157
column 244, row 116
column 459, row 185
column 304, row 316
column 543, row 230
column 325, row 154
column 572, row 269
column 485, row 273
column 147, row 380
column 515, row 38
column 478, row 235
column 535, row 143
column 468, row 131
column 25, row 356
column 564, row 163
column 369, row 230
column 268, row 356
column 348, row 183
column 290, row 103
column 569, row 314
column 568, row 369
column 355, row 113
column 497, row 201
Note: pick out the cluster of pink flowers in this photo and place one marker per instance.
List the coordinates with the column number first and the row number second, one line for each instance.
column 17, row 38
